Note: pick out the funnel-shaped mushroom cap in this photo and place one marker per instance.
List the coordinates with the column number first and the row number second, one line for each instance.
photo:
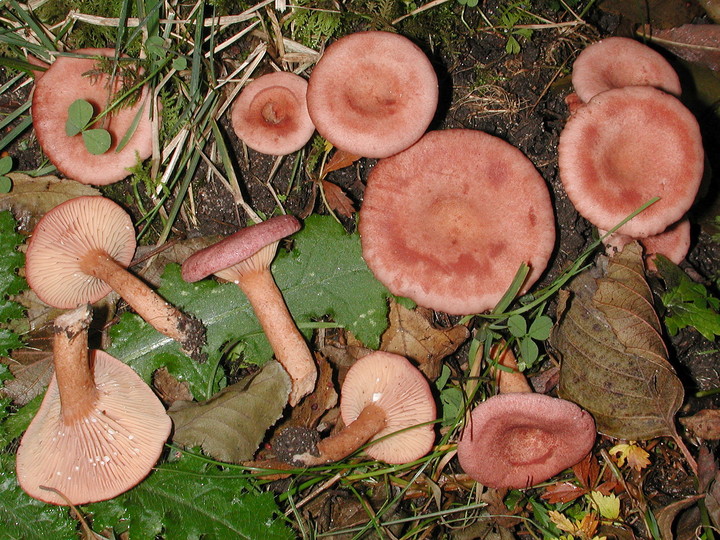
column 392, row 383
column 101, row 455
column 68, row 80
column 372, row 94
column 616, row 62
column 625, row 147
column 449, row 221
column 270, row 115
column 518, row 440
column 238, row 247
column 63, row 237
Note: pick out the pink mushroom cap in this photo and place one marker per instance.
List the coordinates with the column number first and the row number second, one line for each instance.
column 449, row 221
column 519, row 440
column 372, row 94
column 625, row 147
column 66, row 81
column 65, row 235
column 392, row 383
column 270, row 115
column 616, row 62
column 237, row 247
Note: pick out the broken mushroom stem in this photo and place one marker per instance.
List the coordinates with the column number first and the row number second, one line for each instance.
column 165, row 318
column 76, row 384
column 370, row 422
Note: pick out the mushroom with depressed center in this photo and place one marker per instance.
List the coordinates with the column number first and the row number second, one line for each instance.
column 383, row 397
column 616, row 62
column 449, row 221
column 99, row 430
column 372, row 94
column 270, row 115
column 518, row 439
column 625, row 147
column 244, row 258
column 79, row 252
column 68, row 79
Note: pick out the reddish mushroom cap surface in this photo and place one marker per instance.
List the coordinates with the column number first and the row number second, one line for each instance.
column 66, row 234
column 270, row 115
column 616, row 62
column 237, row 247
column 372, row 94
column 63, row 83
column 625, row 147
column 449, row 221
column 392, row 383
column 102, row 455
column 518, row 440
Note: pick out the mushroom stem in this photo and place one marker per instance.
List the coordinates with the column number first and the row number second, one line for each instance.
column 75, row 380
column 165, row 318
column 287, row 342
column 508, row 381
column 370, row 421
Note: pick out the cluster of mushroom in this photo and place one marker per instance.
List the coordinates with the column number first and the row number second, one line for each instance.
column 630, row 139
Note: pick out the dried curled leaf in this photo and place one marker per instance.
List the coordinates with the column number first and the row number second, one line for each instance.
column 699, row 43
column 230, row 425
column 614, row 360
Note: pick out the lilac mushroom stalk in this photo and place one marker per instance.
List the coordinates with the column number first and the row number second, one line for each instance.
column 99, row 430
column 244, row 258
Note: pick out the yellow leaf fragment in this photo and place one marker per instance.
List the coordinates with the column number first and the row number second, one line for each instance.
column 607, row 505
column 632, row 454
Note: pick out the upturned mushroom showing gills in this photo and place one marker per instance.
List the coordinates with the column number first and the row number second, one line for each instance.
column 244, row 258
column 384, row 399
column 449, row 221
column 99, row 430
column 518, row 439
column 270, row 115
column 625, row 147
column 79, row 252
column 372, row 94
column 70, row 78
column 616, row 62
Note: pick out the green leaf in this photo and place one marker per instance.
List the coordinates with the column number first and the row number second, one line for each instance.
column 6, row 164
column 323, row 276
column 231, row 425
column 24, row 517
column 191, row 499
column 80, row 113
column 528, row 352
column 517, row 325
column 5, row 184
column 10, row 282
column 179, row 63
column 155, row 46
column 97, row 141
column 540, row 328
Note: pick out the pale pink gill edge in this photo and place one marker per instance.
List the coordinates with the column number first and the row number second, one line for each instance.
column 642, row 66
column 402, row 391
column 395, row 277
column 325, row 109
column 237, row 247
column 671, row 207
column 572, row 432
column 102, row 455
column 69, row 154
column 259, row 139
column 66, row 234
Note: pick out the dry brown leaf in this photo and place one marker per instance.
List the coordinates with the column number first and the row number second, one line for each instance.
column 336, row 199
column 170, row 389
column 175, row 253
column 699, row 43
column 614, row 360
column 29, row 380
column 562, row 492
column 412, row 334
column 324, row 397
column 661, row 13
column 339, row 160
column 31, row 198
column 704, row 424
